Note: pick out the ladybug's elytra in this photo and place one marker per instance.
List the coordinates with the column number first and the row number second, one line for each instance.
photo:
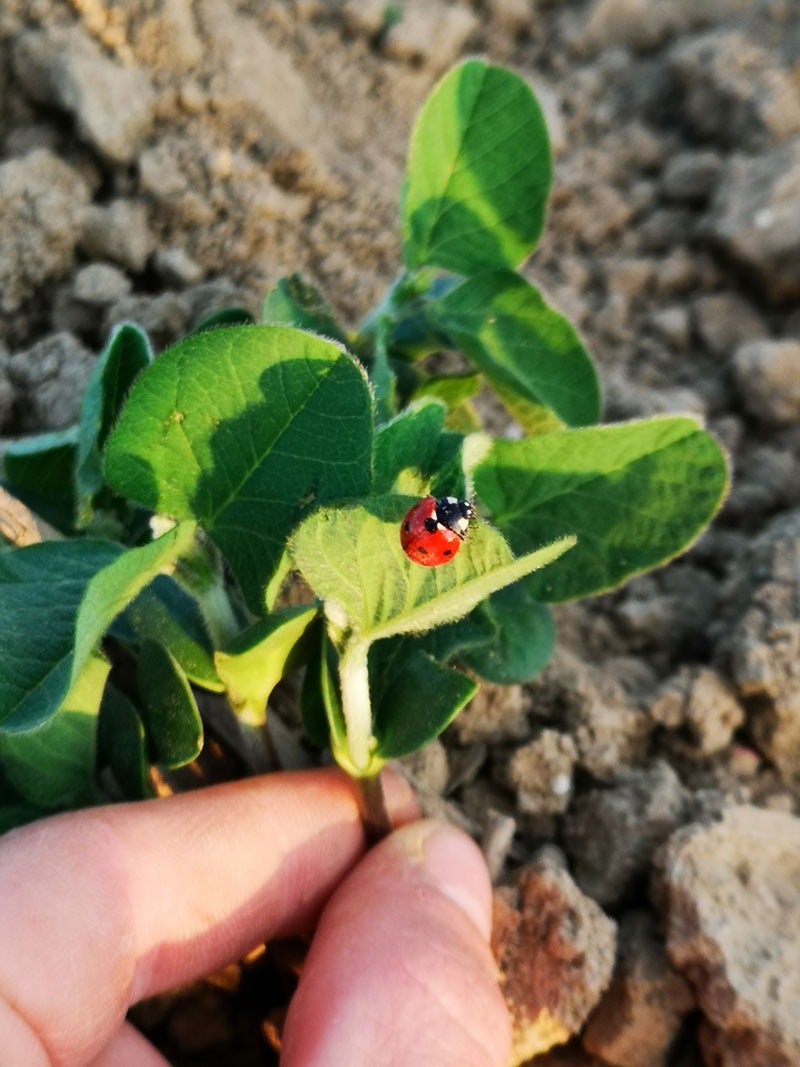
column 433, row 530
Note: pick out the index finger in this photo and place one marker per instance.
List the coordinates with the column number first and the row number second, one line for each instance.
column 103, row 907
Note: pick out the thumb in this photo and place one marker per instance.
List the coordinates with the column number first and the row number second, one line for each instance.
column 400, row 971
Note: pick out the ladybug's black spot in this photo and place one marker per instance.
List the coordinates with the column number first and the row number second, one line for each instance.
column 407, row 527
column 447, row 552
column 421, row 551
column 431, row 524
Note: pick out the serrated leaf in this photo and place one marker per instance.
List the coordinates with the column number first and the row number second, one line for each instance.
column 636, row 494
column 478, row 173
column 408, row 441
column 295, row 302
column 39, row 472
column 171, row 719
column 245, row 429
column 57, row 599
column 127, row 353
column 525, row 349
column 53, row 766
column 122, row 745
column 414, row 698
column 352, row 558
column 253, row 664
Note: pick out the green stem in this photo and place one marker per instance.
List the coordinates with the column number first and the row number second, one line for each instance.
column 356, row 707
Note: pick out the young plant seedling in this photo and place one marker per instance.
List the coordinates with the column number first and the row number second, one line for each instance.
column 198, row 486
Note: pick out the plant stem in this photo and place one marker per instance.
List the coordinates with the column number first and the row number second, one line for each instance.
column 372, row 805
column 356, row 707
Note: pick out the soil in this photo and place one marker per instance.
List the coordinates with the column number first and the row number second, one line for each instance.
column 160, row 159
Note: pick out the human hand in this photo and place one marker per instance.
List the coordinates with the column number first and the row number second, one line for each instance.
column 101, row 908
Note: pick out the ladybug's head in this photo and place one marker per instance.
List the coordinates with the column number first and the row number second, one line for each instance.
column 455, row 514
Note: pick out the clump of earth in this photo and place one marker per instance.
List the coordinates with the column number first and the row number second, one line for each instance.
column 162, row 159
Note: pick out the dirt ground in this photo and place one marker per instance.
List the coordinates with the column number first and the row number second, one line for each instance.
column 160, row 159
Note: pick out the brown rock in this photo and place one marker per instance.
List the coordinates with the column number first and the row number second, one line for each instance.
column 768, row 379
column 610, row 835
column 555, row 950
column 541, row 773
column 640, row 1013
column 733, row 928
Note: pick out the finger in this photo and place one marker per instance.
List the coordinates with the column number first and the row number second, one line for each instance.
column 127, row 1048
column 400, row 970
column 137, row 898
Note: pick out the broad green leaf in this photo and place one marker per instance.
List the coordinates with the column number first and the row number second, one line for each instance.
column 414, row 698
column 57, row 599
column 171, row 719
column 53, row 766
column 245, row 429
column 294, row 302
column 409, row 441
column 39, row 472
column 122, row 746
column 127, row 353
column 635, row 494
column 522, row 346
column 253, row 664
column 478, row 173
column 164, row 612
column 352, row 559
column 523, row 637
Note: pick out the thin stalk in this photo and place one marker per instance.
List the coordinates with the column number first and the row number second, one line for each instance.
column 356, row 707
column 372, row 805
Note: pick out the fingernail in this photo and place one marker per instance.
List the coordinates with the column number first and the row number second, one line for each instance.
column 452, row 864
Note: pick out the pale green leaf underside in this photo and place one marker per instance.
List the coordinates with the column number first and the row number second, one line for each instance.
column 478, row 173
column 256, row 662
column 635, row 494
column 352, row 557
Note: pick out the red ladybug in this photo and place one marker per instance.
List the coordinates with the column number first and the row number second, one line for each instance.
column 432, row 532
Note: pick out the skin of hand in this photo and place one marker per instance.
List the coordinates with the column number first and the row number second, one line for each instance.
column 101, row 908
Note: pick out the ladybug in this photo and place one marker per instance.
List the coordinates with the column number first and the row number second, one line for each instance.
column 432, row 532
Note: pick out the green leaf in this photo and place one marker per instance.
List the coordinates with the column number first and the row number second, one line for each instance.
column 224, row 317
column 523, row 637
column 253, row 664
column 414, row 698
column 171, row 719
column 245, row 429
column 53, row 766
column 352, row 559
column 408, row 441
column 164, row 612
column 14, row 815
column 478, row 173
column 127, row 353
column 523, row 347
column 294, row 302
column 77, row 588
column 636, row 495
column 122, row 745
column 321, row 708
column 452, row 389
column 39, row 472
